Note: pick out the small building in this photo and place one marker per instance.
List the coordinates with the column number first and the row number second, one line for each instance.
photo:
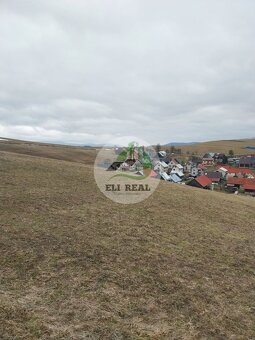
column 136, row 166
column 247, row 162
column 124, row 166
column 202, row 182
column 130, row 161
column 189, row 165
column 194, row 172
column 165, row 176
column 215, row 176
column 161, row 166
column 175, row 178
column 177, row 168
column 219, row 157
column 172, row 162
column 139, row 173
column 240, row 182
column 162, row 154
column 229, row 171
column 114, row 166
column 234, row 160
column 196, row 160
column 208, row 161
column 178, row 172
column 235, row 182
column 249, row 187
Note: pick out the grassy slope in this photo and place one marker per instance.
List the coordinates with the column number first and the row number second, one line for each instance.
column 180, row 265
column 221, row 146
column 54, row 151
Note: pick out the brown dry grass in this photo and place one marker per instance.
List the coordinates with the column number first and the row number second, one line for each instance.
column 83, row 155
column 222, row 146
column 74, row 265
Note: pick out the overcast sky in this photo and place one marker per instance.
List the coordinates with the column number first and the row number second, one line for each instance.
column 91, row 71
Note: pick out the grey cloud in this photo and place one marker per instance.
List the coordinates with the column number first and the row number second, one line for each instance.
column 89, row 71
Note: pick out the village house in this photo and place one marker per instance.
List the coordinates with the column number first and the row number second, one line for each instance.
column 161, row 154
column 219, row 157
column 249, row 188
column 208, row 161
column 124, row 166
column 246, row 183
column 178, row 170
column 165, row 176
column 234, row 160
column 136, row 166
column 202, row 182
column 214, row 176
column 140, row 173
column 172, row 162
column 175, row 178
column 114, row 166
column 161, row 166
column 165, row 159
column 228, row 171
column 194, row 172
column 247, row 162
column 197, row 170
column 223, row 171
column 188, row 166
column 196, row 160
column 209, row 155
column 235, row 182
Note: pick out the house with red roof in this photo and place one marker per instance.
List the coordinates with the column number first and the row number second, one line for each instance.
column 202, row 182
column 245, row 183
column 249, row 187
column 231, row 171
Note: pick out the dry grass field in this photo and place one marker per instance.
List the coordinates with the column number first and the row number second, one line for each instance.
column 220, row 146
column 74, row 265
column 63, row 152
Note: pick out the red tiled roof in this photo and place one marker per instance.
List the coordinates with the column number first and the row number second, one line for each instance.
column 246, row 171
column 217, row 179
column 237, row 170
column 204, row 181
column 241, row 181
column 235, row 181
column 249, row 187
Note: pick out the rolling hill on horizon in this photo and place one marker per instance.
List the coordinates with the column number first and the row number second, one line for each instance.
column 77, row 152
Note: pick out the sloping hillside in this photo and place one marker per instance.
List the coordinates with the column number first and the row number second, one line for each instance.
column 83, row 155
column 74, row 265
column 238, row 146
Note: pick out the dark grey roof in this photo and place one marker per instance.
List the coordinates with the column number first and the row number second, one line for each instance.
column 213, row 174
column 247, row 160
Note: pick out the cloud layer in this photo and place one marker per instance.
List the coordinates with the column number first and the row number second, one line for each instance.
column 91, row 71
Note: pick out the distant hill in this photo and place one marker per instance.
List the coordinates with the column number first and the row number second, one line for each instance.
column 180, row 143
column 223, row 146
